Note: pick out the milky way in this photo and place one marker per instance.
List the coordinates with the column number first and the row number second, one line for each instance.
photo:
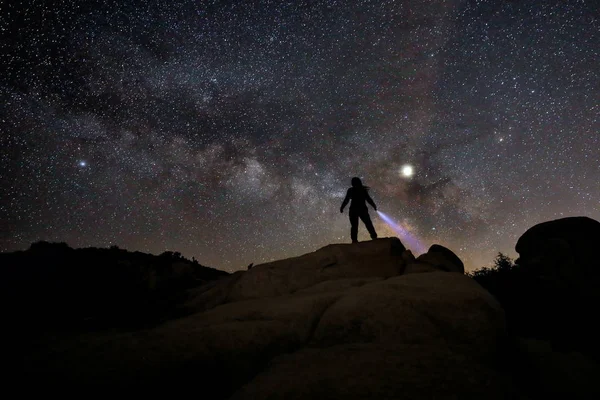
column 229, row 130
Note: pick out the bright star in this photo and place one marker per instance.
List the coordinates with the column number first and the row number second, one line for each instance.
column 83, row 163
column 407, row 171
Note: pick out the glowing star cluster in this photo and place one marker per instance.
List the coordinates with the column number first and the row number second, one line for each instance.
column 230, row 130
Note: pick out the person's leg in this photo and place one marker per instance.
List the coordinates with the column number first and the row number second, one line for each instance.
column 353, row 226
column 366, row 219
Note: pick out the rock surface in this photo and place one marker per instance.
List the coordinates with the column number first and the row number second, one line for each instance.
column 560, row 270
column 565, row 250
column 342, row 322
column 377, row 258
column 381, row 257
column 437, row 258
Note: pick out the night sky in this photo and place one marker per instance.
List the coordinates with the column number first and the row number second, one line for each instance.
column 230, row 130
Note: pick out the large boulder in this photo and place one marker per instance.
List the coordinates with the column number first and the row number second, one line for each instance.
column 367, row 371
column 349, row 327
column 431, row 335
column 375, row 258
column 437, row 258
column 435, row 335
column 415, row 309
column 555, row 293
column 578, row 232
column 565, row 250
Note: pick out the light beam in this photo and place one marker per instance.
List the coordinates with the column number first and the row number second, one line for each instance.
column 405, row 236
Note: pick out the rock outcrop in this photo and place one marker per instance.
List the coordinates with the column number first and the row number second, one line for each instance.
column 380, row 258
column 437, row 258
column 330, row 266
column 100, row 287
column 556, row 294
column 342, row 322
column 565, row 250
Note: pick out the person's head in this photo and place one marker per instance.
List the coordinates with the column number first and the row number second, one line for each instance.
column 356, row 182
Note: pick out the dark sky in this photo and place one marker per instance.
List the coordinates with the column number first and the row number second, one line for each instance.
column 229, row 130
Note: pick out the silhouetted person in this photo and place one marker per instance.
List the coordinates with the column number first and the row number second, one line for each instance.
column 359, row 195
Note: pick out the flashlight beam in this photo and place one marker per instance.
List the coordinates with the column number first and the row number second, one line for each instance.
column 404, row 234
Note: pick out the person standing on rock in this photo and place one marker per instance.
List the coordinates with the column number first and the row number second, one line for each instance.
column 359, row 195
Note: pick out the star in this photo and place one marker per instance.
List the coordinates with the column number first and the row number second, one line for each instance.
column 407, row 171
column 230, row 131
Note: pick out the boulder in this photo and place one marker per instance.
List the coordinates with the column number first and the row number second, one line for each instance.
column 342, row 322
column 559, row 268
column 415, row 309
column 367, row 371
column 431, row 335
column 435, row 335
column 408, row 256
column 437, row 258
column 375, row 258
column 564, row 250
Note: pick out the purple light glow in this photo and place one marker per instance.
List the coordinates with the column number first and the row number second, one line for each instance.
column 405, row 236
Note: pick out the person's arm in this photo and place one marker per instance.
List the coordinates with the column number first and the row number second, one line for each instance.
column 371, row 202
column 346, row 200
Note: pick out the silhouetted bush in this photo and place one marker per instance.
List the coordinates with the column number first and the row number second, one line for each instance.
column 493, row 277
column 53, row 285
column 519, row 291
column 541, row 307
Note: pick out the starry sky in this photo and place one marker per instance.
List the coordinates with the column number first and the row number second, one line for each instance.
column 230, row 130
